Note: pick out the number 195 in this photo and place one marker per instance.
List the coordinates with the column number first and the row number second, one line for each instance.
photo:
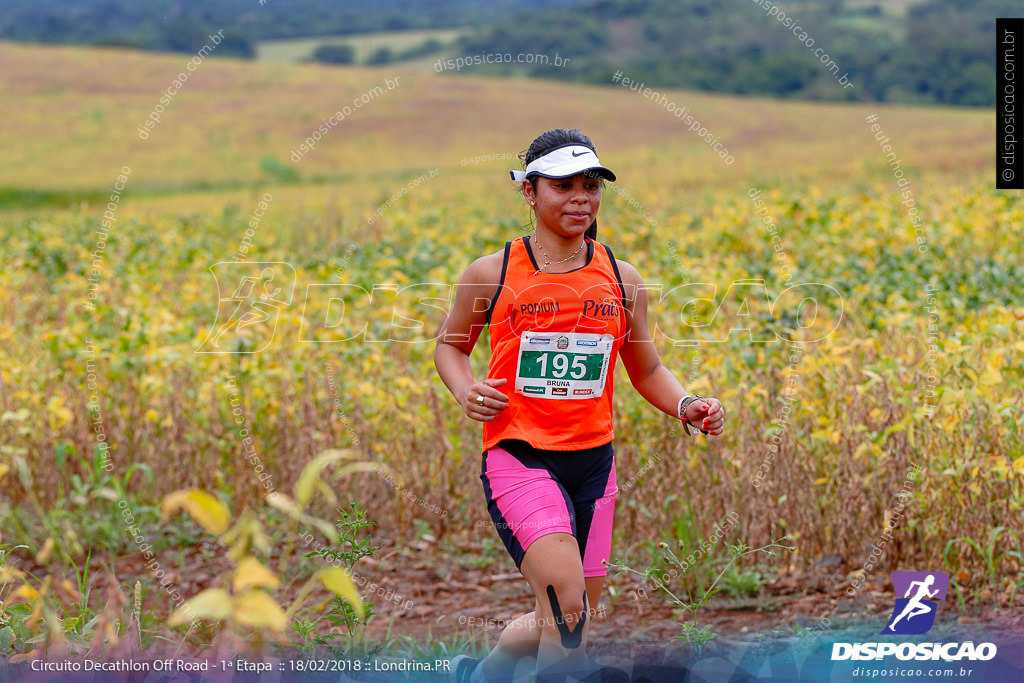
column 560, row 366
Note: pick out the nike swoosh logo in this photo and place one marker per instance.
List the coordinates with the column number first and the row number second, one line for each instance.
column 580, row 154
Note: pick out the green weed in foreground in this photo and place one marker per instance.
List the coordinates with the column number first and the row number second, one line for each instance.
column 244, row 601
column 81, row 510
column 993, row 560
column 54, row 616
column 354, row 544
column 694, row 633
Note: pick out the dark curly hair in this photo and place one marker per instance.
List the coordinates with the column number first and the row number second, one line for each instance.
column 555, row 138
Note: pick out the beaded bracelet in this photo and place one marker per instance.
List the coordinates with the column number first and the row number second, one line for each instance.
column 684, row 403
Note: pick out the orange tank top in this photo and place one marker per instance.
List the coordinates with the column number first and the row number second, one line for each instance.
column 555, row 337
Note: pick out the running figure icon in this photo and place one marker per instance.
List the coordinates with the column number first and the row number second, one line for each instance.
column 250, row 298
column 259, row 307
column 916, row 607
column 914, row 612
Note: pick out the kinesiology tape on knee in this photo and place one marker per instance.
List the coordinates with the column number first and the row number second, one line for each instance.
column 570, row 639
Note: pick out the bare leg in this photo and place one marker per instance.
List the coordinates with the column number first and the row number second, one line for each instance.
column 522, row 636
column 595, row 584
column 519, row 639
column 554, row 569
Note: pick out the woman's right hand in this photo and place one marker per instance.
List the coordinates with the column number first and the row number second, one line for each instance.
column 494, row 400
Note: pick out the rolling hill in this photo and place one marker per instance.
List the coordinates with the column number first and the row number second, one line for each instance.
column 72, row 118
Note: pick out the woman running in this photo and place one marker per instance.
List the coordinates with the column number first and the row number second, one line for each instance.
column 560, row 310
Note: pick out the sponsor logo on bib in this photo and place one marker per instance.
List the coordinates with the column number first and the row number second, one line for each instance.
column 562, row 343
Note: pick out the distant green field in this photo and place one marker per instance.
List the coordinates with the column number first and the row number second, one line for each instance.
column 296, row 50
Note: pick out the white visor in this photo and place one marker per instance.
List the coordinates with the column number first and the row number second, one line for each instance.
column 562, row 162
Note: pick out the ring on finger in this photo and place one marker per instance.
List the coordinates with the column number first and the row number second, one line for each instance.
column 480, row 400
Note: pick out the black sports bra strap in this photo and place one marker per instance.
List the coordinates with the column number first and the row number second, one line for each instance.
column 501, row 282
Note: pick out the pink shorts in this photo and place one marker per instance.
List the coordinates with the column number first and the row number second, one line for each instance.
column 532, row 493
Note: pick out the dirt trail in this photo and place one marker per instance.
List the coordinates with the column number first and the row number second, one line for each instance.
column 430, row 595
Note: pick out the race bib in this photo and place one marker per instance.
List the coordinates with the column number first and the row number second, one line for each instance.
column 565, row 365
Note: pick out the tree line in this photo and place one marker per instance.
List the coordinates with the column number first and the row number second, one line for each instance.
column 940, row 51
column 937, row 52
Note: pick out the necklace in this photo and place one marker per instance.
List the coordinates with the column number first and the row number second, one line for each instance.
column 547, row 261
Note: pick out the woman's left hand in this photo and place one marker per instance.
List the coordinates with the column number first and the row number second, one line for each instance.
column 707, row 414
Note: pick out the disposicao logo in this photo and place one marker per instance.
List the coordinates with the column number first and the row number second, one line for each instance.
column 914, row 614
column 251, row 296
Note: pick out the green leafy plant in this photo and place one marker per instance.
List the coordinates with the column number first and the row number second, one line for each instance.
column 990, row 556
column 12, row 617
column 742, row 583
column 694, row 633
column 355, row 543
column 306, row 629
column 84, row 512
column 52, row 616
column 244, row 601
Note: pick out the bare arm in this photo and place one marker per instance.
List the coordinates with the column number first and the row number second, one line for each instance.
column 652, row 380
column 458, row 336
